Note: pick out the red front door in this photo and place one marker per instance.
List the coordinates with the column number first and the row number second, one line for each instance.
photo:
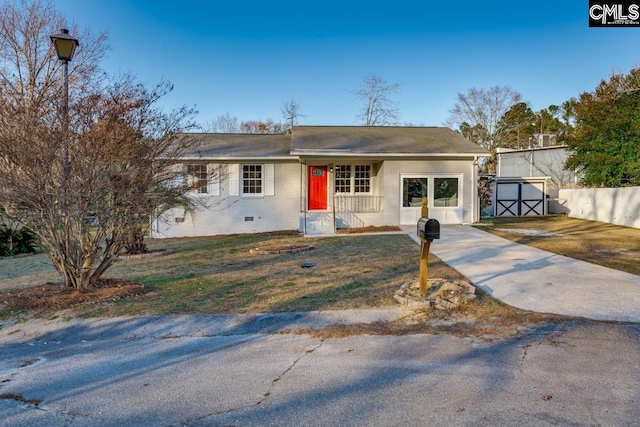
column 317, row 188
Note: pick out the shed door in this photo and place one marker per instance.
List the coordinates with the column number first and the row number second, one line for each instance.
column 520, row 199
column 317, row 188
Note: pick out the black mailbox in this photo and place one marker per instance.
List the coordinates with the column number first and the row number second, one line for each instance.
column 428, row 228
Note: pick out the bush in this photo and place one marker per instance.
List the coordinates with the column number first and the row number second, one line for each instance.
column 15, row 241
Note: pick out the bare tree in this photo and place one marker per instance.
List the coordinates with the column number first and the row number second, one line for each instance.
column 30, row 75
column 84, row 190
column 551, row 163
column 227, row 123
column 483, row 109
column 262, row 126
column 291, row 113
column 224, row 123
column 378, row 109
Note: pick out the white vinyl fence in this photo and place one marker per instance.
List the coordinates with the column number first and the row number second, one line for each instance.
column 620, row 206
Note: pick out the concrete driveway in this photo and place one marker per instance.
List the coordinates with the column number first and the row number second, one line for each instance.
column 533, row 279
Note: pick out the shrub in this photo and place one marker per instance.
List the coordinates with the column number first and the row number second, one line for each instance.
column 15, row 241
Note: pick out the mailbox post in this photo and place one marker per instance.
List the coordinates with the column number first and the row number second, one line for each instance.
column 427, row 230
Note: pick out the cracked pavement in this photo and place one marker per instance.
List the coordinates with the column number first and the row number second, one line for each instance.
column 246, row 370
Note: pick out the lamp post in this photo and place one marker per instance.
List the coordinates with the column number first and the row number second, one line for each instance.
column 65, row 48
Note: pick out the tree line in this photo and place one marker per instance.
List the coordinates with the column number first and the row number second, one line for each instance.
column 600, row 128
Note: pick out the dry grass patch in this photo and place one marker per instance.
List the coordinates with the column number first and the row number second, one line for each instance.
column 220, row 275
column 596, row 242
column 484, row 317
column 210, row 275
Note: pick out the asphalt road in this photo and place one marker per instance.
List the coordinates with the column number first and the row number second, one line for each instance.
column 240, row 371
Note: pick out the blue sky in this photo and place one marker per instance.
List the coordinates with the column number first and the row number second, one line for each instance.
column 248, row 57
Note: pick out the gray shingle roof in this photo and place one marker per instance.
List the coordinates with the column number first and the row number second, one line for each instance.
column 382, row 140
column 329, row 141
column 239, row 146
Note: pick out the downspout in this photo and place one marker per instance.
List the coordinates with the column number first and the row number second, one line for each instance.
column 303, row 189
column 531, row 162
column 332, row 193
column 474, row 189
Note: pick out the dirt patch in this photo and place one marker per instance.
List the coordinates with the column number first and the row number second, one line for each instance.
column 460, row 323
column 530, row 232
column 369, row 229
column 149, row 254
column 50, row 297
column 280, row 249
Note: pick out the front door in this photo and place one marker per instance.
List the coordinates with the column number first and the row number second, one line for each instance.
column 317, row 188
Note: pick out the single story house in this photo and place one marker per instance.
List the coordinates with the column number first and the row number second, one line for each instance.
column 321, row 178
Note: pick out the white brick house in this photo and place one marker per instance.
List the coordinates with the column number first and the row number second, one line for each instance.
column 321, row 178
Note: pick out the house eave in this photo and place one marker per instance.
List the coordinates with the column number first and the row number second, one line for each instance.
column 383, row 155
column 324, row 154
column 237, row 159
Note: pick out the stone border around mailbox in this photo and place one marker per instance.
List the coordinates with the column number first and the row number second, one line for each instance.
column 408, row 294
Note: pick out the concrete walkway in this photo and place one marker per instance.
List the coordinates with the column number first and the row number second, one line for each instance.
column 533, row 279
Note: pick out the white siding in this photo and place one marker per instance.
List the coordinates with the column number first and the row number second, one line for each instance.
column 229, row 214
column 538, row 162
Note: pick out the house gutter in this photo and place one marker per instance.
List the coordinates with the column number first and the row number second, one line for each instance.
column 379, row 155
column 231, row 159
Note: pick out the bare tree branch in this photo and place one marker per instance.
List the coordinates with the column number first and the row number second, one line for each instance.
column 378, row 109
column 121, row 147
column 484, row 109
column 224, row 123
column 291, row 113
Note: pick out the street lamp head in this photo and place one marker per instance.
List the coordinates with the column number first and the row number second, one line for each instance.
column 65, row 44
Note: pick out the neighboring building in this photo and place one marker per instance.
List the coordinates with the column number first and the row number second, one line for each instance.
column 321, row 178
column 528, row 180
column 543, row 161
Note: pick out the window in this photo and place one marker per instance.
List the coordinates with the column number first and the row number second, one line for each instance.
column 252, row 179
column 197, row 178
column 445, row 192
column 343, row 178
column 363, row 179
column 413, row 190
column 359, row 181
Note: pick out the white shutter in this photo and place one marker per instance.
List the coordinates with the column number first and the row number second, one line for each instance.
column 269, row 179
column 234, row 180
column 178, row 175
column 213, row 179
